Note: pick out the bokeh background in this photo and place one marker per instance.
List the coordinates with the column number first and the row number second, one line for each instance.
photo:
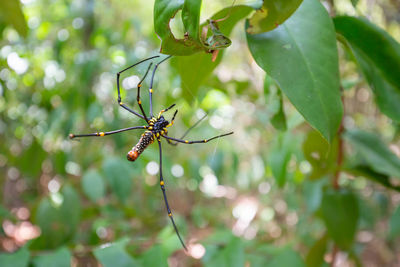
column 83, row 201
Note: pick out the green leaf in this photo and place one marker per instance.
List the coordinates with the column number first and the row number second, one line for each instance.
column 315, row 256
column 279, row 157
column 191, row 18
column 387, row 96
column 164, row 11
column 361, row 169
column 117, row 174
column 319, row 154
column 58, row 217
column 59, row 258
column 278, row 120
column 340, row 214
column 232, row 255
column 114, row 254
column 149, row 259
column 375, row 43
column 19, row 258
column 394, row 224
column 374, row 152
column 301, row 55
column 354, row 3
column 93, row 185
column 271, row 15
column 11, row 12
column 192, row 80
column 288, row 257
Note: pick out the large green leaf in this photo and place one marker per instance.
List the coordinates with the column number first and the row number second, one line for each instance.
column 340, row 214
column 375, row 152
column 16, row 259
column 301, row 55
column 11, row 13
column 192, row 80
column 59, row 258
column 164, row 11
column 114, row 254
column 375, row 43
column 118, row 176
column 271, row 15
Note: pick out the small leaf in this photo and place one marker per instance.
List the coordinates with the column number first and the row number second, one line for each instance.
column 117, row 174
column 149, row 259
column 12, row 14
column 319, row 154
column 315, row 256
column 278, row 120
column 93, row 185
column 394, row 224
column 19, row 258
column 58, row 218
column 301, row 55
column 59, row 258
column 375, row 43
column 232, row 255
column 279, row 157
column 114, row 254
column 375, row 152
column 340, row 214
column 271, row 15
column 354, row 3
column 288, row 257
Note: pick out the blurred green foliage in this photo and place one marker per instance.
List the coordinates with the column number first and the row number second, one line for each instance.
column 265, row 196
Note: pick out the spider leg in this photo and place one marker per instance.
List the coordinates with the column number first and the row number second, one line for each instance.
column 151, row 85
column 138, row 92
column 164, row 110
column 187, row 131
column 72, row 136
column 197, row 141
column 162, row 184
column 119, row 91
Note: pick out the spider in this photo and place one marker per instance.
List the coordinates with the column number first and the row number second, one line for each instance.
column 155, row 129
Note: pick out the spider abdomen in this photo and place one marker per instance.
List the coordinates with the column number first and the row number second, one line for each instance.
column 145, row 140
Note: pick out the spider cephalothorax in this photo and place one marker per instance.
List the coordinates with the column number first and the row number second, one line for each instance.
column 155, row 129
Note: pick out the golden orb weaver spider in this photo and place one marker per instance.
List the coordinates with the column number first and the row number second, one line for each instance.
column 156, row 128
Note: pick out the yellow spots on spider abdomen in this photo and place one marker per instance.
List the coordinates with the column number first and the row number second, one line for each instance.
column 162, row 183
column 186, row 141
column 170, row 214
column 101, row 134
column 151, row 90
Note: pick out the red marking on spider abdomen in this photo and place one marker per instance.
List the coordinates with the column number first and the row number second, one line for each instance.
column 145, row 140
